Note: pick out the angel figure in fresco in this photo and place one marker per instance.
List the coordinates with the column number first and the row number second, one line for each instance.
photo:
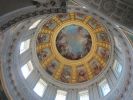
column 105, row 53
column 51, row 68
column 68, row 48
column 82, row 75
column 50, row 24
column 66, row 75
column 62, row 44
column 41, row 38
column 81, row 16
column 42, row 55
column 93, row 23
column 85, row 40
column 103, row 37
column 81, row 37
column 62, row 38
column 97, row 67
column 88, row 44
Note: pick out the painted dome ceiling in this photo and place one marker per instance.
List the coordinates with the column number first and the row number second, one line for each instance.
column 73, row 47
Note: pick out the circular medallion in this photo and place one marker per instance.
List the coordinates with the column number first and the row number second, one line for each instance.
column 73, row 42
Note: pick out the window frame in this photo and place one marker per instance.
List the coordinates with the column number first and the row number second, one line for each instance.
column 24, row 46
column 41, row 84
column 116, row 67
column 118, row 46
column 59, row 92
column 27, row 67
column 101, row 88
column 84, row 93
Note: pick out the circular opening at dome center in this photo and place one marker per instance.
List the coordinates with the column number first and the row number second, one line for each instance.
column 73, row 42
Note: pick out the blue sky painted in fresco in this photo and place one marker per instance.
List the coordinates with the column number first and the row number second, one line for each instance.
column 72, row 34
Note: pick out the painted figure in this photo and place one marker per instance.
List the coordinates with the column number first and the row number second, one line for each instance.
column 93, row 23
column 50, row 24
column 51, row 67
column 42, row 38
column 82, row 74
column 103, row 37
column 66, row 74
column 80, row 16
column 96, row 67
column 44, row 53
column 103, row 53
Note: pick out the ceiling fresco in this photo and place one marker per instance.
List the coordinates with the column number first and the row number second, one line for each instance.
column 73, row 47
column 73, row 42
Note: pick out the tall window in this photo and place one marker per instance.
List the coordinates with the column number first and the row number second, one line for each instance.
column 104, row 87
column 117, row 68
column 61, row 95
column 84, row 95
column 27, row 69
column 40, row 88
column 24, row 46
column 34, row 25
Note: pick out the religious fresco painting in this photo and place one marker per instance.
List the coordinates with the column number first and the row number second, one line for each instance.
column 52, row 66
column 80, row 16
column 93, row 23
column 42, row 38
column 96, row 66
column 73, row 42
column 103, row 53
column 102, row 37
column 82, row 74
column 51, row 24
column 44, row 54
column 66, row 74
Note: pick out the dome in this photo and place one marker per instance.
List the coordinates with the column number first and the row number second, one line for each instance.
column 66, row 50
column 73, row 47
